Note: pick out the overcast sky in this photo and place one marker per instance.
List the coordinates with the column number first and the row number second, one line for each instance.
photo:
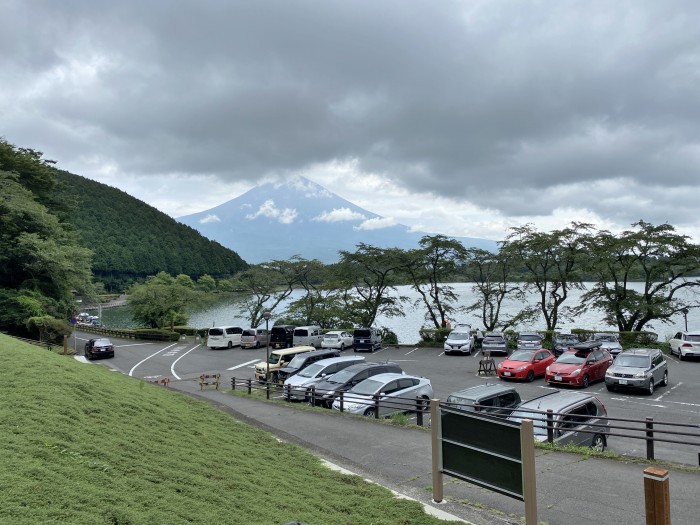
column 456, row 117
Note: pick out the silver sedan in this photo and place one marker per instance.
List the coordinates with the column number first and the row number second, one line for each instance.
column 389, row 392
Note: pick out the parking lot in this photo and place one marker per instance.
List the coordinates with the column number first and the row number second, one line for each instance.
column 679, row 402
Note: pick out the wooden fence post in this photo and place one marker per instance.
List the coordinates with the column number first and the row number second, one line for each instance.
column 657, row 500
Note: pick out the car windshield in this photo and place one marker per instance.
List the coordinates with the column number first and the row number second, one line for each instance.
column 362, row 333
column 633, row 361
column 311, row 370
column 330, row 336
column 274, row 359
column 521, row 355
column 297, row 362
column 458, row 335
column 494, row 339
column 606, row 338
column 367, row 387
column 572, row 358
column 343, row 376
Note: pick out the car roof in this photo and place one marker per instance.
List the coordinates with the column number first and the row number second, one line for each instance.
column 480, row 391
column 493, row 334
column 335, row 332
column 390, row 376
column 556, row 401
column 530, row 333
column 341, row 359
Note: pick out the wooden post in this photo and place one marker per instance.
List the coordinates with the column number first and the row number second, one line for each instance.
column 657, row 500
column 65, row 344
column 527, row 454
column 436, row 433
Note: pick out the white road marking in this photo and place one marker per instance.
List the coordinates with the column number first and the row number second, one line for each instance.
column 244, row 364
column 131, row 372
column 668, row 391
column 629, row 400
column 411, row 351
column 172, row 367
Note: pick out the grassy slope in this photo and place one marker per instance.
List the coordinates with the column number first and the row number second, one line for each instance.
column 84, row 445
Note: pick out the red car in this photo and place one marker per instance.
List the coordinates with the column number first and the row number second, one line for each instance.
column 579, row 367
column 525, row 364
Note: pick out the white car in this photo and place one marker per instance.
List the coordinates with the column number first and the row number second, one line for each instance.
column 297, row 386
column 394, row 393
column 337, row 339
column 685, row 344
column 459, row 340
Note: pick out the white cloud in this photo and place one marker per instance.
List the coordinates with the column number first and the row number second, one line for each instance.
column 377, row 223
column 269, row 210
column 338, row 215
column 209, row 218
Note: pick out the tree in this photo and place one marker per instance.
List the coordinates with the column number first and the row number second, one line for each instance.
column 656, row 257
column 491, row 274
column 550, row 263
column 161, row 301
column 428, row 268
column 369, row 274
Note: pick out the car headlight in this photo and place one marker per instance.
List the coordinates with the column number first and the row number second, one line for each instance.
column 521, row 368
column 500, row 365
column 640, row 375
column 576, row 372
column 608, row 373
column 546, row 370
column 329, row 394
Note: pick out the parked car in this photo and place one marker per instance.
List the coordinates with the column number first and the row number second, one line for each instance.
column 491, row 397
column 328, row 389
column 637, row 368
column 459, row 340
column 610, row 342
column 525, row 364
column 563, row 342
column 389, row 393
column 685, row 344
column 100, row 347
column 297, row 386
column 494, row 342
column 529, row 341
column 301, row 361
column 308, row 336
column 224, row 337
column 338, row 339
column 366, row 339
column 277, row 360
column 578, row 418
column 282, row 336
column 253, row 338
column 579, row 366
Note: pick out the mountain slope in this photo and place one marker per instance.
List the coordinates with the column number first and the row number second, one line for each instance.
column 132, row 240
column 300, row 217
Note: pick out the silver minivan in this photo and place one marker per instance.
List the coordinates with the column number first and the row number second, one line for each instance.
column 307, row 336
column 297, row 387
column 578, row 418
column 253, row 338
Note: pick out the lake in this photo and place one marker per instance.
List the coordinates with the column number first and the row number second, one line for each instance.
column 407, row 327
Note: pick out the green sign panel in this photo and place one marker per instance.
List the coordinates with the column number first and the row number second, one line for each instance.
column 482, row 450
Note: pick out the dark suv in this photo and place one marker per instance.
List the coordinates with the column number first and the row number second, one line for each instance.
column 637, row 368
column 281, row 336
column 491, row 397
column 327, row 390
column 101, row 347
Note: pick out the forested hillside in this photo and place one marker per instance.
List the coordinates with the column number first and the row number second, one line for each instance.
column 131, row 240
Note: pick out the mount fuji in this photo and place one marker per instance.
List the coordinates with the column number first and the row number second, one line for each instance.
column 299, row 217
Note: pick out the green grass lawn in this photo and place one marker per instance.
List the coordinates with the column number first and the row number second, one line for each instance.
column 80, row 444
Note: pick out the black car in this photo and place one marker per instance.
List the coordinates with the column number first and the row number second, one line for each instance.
column 282, row 336
column 327, row 390
column 562, row 342
column 101, row 347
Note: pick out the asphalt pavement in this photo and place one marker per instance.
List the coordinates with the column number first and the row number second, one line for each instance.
column 571, row 489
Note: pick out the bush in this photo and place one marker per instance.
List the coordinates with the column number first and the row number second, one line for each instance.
column 389, row 337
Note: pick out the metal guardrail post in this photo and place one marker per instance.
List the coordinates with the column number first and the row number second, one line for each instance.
column 233, row 383
column 550, row 426
column 313, row 396
column 376, row 406
column 650, row 437
column 419, row 411
column 250, row 386
column 342, row 408
column 267, row 389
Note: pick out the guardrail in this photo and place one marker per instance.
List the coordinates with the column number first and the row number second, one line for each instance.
column 130, row 334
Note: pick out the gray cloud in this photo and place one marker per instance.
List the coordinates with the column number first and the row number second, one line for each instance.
column 518, row 107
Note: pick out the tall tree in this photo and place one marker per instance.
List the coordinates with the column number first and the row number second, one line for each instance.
column 550, row 263
column 429, row 268
column 656, row 257
column 162, row 301
column 371, row 273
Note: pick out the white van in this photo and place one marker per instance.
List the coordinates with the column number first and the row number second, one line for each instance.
column 224, row 337
column 308, row 336
column 253, row 338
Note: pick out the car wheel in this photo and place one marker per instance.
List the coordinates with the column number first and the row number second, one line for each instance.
column 664, row 381
column 369, row 412
column 342, row 347
column 598, row 443
column 586, row 381
column 88, row 356
column 680, row 355
column 530, row 376
column 425, row 402
column 230, row 344
column 650, row 386
column 610, row 388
